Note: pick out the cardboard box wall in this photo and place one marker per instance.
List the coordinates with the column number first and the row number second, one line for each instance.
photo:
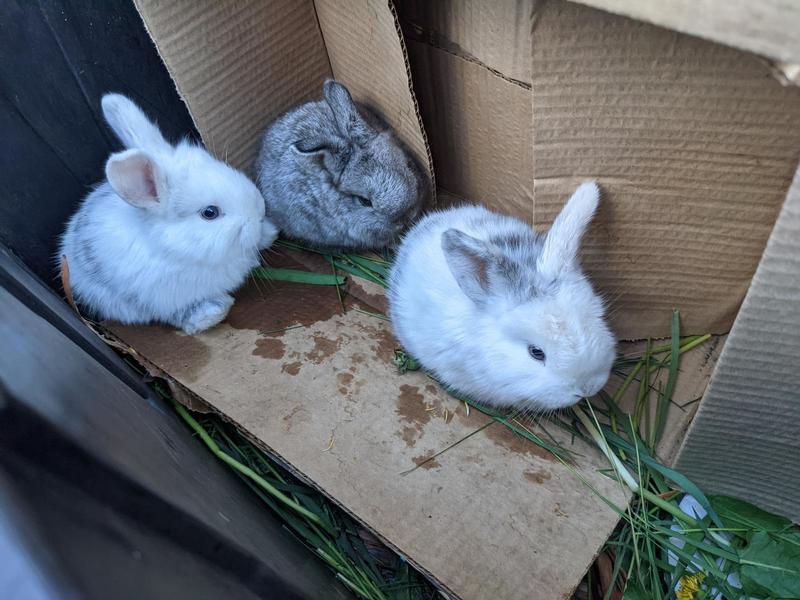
column 238, row 65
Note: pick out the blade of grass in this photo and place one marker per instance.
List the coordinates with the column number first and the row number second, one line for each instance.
column 248, row 472
column 296, row 276
column 662, row 405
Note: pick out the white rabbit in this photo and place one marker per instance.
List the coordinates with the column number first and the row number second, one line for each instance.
column 500, row 313
column 170, row 233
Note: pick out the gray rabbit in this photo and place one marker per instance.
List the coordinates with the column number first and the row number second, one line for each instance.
column 334, row 175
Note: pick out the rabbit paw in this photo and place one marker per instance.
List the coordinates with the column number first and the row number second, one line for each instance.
column 206, row 314
column 268, row 234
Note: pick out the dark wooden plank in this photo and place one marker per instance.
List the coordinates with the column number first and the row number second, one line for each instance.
column 56, row 61
column 117, row 476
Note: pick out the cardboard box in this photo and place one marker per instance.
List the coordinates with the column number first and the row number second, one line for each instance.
column 695, row 145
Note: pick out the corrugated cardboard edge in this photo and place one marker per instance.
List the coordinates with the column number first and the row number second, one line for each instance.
column 767, row 27
column 330, row 43
column 178, row 89
column 431, row 172
column 743, row 440
column 180, row 393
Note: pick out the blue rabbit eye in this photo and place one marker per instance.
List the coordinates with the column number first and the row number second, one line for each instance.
column 536, row 353
column 363, row 201
column 209, row 213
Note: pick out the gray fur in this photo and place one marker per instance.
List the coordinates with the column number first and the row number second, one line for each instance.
column 318, row 158
column 501, row 266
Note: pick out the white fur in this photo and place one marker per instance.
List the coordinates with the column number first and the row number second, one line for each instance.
column 138, row 249
column 479, row 344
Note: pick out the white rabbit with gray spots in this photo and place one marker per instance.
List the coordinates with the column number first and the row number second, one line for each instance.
column 499, row 312
column 334, row 175
column 169, row 235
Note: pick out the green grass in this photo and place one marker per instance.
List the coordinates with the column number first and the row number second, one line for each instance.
column 360, row 561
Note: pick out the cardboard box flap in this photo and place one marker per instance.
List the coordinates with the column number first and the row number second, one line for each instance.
column 366, row 52
column 767, row 27
column 694, row 144
column 238, row 65
column 743, row 441
column 327, row 399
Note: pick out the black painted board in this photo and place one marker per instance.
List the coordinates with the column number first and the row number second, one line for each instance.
column 57, row 58
column 118, row 489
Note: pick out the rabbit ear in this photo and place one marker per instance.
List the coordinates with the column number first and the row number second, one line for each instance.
column 475, row 266
column 317, row 144
column 137, row 178
column 563, row 241
column 131, row 125
column 345, row 112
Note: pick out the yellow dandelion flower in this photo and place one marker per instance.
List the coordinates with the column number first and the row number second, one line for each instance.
column 689, row 586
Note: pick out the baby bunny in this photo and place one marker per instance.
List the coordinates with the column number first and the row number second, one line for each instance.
column 500, row 313
column 334, row 175
column 170, row 233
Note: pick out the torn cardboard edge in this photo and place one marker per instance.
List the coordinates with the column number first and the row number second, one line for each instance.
column 177, row 85
column 180, row 393
column 431, row 172
column 343, row 27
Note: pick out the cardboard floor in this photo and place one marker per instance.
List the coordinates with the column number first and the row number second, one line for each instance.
column 494, row 516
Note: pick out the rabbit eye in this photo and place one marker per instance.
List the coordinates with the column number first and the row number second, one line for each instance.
column 209, row 213
column 363, row 201
column 536, row 353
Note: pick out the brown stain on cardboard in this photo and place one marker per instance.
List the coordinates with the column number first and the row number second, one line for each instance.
column 384, row 345
column 384, row 341
column 323, row 349
column 348, row 384
column 295, row 414
column 182, row 356
column 267, row 306
column 269, row 347
column 539, row 476
column 411, row 406
column 432, row 389
column 409, row 435
column 475, row 418
column 504, row 437
column 292, row 368
column 377, row 302
column 412, row 409
column 420, row 461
